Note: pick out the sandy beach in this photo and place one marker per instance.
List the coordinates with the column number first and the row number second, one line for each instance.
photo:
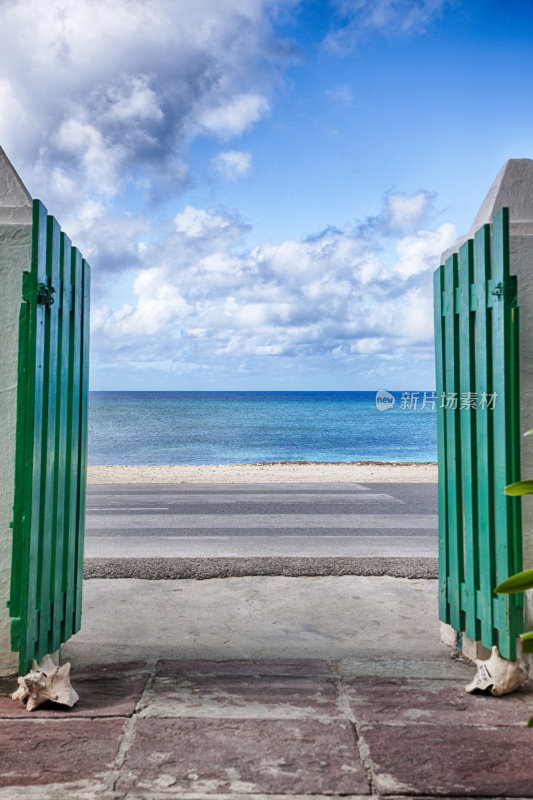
column 283, row 472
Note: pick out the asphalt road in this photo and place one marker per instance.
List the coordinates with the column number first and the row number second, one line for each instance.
column 265, row 521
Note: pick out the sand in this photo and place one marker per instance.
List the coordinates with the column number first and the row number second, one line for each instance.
column 283, row 472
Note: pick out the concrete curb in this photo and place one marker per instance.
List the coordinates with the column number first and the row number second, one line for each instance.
column 204, row 568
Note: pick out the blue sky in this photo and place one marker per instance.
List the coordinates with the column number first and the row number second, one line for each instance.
column 263, row 189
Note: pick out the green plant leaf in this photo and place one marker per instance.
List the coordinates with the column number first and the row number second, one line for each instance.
column 518, row 488
column 530, row 723
column 527, row 642
column 516, row 583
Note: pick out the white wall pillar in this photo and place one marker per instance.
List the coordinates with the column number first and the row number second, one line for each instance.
column 15, row 256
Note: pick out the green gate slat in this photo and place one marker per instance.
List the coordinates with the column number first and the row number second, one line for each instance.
column 73, row 443
column 453, row 447
column 515, row 449
column 36, row 364
column 49, row 477
column 61, row 447
column 468, row 439
column 51, row 449
column 85, row 326
column 438, row 288
column 505, row 437
column 485, row 437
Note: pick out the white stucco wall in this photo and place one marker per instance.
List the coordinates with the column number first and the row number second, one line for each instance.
column 15, row 254
column 522, row 266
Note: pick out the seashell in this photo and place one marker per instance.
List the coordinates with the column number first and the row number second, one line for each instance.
column 497, row 675
column 46, row 681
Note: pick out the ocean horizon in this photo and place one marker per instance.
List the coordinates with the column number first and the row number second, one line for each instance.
column 244, row 427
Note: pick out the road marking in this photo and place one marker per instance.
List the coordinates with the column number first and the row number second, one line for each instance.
column 127, row 509
column 125, row 489
column 342, row 499
column 272, row 521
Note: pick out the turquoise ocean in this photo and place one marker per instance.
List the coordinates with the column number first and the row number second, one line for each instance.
column 154, row 428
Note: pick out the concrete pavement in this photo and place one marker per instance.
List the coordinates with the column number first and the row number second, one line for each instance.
column 258, row 617
column 266, row 687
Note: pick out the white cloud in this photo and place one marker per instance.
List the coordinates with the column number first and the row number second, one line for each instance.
column 195, row 222
column 207, row 232
column 133, row 102
column 233, row 165
column 12, row 116
column 406, row 212
column 234, row 116
column 106, row 94
column 417, row 252
column 362, row 291
column 98, row 158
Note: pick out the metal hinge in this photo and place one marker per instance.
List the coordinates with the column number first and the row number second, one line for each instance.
column 505, row 291
column 44, row 295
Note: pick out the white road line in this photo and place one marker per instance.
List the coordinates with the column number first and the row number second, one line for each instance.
column 96, row 490
column 252, row 498
column 270, row 497
column 271, row 521
column 127, row 509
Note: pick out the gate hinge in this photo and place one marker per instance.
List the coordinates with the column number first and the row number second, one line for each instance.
column 44, row 295
column 502, row 290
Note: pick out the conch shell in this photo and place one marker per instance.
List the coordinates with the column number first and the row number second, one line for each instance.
column 46, row 681
column 497, row 675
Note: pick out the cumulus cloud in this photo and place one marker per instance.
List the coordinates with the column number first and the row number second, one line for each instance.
column 207, row 232
column 414, row 252
column 12, row 116
column 105, row 94
column 364, row 290
column 406, row 212
column 233, row 116
column 233, row 165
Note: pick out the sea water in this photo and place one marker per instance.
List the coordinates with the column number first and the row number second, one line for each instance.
column 153, row 428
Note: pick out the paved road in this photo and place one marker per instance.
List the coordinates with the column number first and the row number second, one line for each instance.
column 257, row 520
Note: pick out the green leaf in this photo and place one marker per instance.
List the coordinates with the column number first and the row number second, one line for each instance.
column 530, row 723
column 516, row 583
column 520, row 487
column 527, row 642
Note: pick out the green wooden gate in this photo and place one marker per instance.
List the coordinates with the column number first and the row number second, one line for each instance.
column 51, row 446
column 476, row 348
